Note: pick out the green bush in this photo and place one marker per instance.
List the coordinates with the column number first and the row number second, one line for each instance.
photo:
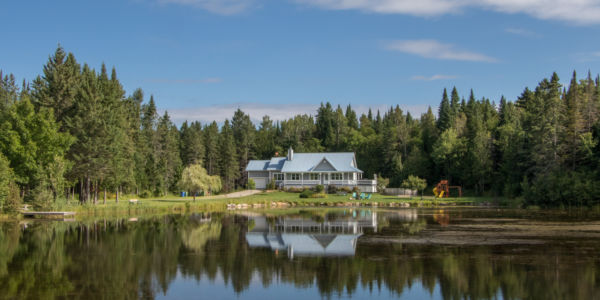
column 319, row 188
column 145, row 194
column 251, row 184
column 307, row 194
column 356, row 190
column 13, row 199
column 271, row 185
column 41, row 198
column 347, row 189
column 319, row 195
column 332, row 189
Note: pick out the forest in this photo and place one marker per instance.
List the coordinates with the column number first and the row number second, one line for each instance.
column 72, row 134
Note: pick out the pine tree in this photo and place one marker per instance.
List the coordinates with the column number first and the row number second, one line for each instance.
column 444, row 113
column 211, row 144
column 58, row 87
column 351, row 117
column 228, row 157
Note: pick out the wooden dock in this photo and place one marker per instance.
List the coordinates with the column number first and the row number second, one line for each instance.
column 48, row 213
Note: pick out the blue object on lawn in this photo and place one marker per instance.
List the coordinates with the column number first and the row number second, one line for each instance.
column 182, row 194
column 369, row 196
column 362, row 196
column 354, row 195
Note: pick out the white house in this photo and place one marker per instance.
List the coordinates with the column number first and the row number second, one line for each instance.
column 298, row 170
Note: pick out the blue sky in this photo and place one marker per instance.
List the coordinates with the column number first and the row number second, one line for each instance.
column 201, row 59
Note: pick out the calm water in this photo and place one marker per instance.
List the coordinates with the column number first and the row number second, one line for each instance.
column 452, row 253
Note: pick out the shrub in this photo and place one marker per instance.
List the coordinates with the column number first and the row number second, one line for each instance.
column 332, row 189
column 42, row 198
column 145, row 194
column 319, row 188
column 346, row 189
column 295, row 190
column 356, row 190
column 271, row 185
column 251, row 184
column 13, row 199
column 306, row 194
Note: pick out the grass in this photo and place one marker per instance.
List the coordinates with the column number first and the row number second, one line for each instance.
column 175, row 204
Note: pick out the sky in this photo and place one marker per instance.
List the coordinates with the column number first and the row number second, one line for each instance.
column 202, row 59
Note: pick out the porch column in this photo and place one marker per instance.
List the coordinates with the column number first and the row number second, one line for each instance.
column 302, row 178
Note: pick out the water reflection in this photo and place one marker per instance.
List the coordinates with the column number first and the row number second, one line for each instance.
column 335, row 236
column 453, row 254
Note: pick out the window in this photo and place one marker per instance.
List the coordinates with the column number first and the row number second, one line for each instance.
column 336, row 176
column 278, row 176
column 294, row 176
column 314, row 176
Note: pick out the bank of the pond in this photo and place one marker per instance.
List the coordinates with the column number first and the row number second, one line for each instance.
column 262, row 200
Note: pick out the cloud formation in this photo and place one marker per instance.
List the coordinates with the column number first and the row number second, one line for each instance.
column 437, row 50
column 277, row 112
column 574, row 11
column 521, row 32
column 221, row 7
column 433, row 77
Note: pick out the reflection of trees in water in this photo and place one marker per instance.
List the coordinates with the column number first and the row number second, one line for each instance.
column 121, row 259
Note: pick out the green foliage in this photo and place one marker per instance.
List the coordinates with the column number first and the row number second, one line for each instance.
column 195, row 179
column 271, row 185
column 251, row 184
column 306, row 194
column 319, row 188
column 75, row 130
column 382, row 183
column 415, row 183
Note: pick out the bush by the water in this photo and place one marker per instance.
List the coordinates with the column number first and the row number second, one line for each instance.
column 319, row 188
column 271, row 185
column 251, row 184
column 311, row 194
column 332, row 189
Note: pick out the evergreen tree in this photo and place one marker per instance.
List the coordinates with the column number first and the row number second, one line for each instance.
column 228, row 157
column 211, row 144
column 444, row 120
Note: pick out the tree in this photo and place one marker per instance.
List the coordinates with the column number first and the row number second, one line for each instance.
column 415, row 183
column 6, row 179
column 228, row 157
column 195, row 179
column 444, row 113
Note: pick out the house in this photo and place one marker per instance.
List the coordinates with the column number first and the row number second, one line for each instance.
column 298, row 170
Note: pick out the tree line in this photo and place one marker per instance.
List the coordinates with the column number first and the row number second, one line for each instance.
column 73, row 132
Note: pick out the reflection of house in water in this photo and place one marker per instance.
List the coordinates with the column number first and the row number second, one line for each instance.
column 307, row 237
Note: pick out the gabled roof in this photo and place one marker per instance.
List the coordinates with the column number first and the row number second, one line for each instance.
column 305, row 162
column 308, row 162
column 276, row 163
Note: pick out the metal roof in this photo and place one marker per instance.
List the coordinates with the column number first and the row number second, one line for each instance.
column 306, row 162
column 257, row 165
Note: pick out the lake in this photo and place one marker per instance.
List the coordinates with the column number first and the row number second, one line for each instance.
column 442, row 253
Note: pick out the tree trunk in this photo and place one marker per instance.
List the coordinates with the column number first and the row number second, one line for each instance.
column 104, row 196
column 87, row 189
column 117, row 196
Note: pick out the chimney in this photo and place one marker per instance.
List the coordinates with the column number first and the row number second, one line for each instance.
column 290, row 155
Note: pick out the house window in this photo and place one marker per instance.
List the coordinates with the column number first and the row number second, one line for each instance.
column 336, row 176
column 294, row 176
column 278, row 176
column 314, row 176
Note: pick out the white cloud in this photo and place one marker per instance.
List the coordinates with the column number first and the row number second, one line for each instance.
column 437, row 50
column 574, row 11
column 433, row 77
column 186, row 81
column 221, row 7
column 522, row 32
column 277, row 112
